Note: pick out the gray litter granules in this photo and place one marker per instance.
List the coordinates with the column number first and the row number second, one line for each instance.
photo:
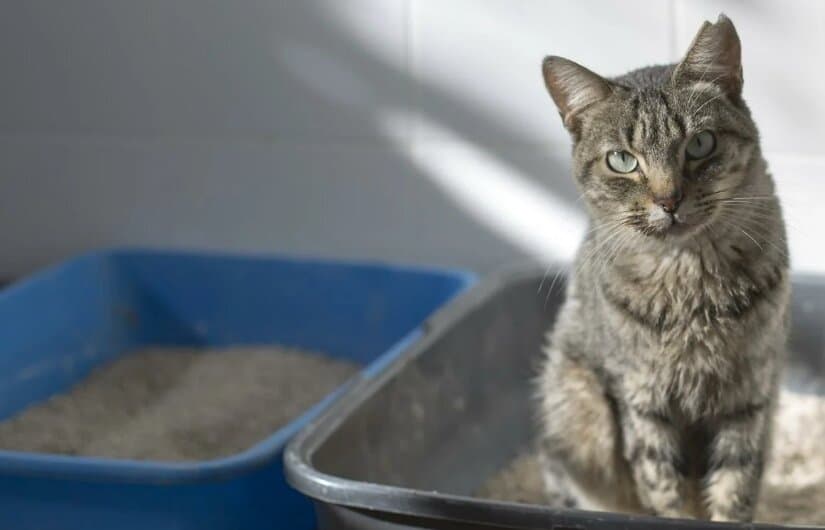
column 793, row 491
column 177, row 404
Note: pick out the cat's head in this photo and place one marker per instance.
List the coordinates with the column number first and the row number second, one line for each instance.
column 657, row 150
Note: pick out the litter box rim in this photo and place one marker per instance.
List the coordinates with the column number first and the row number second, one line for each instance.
column 373, row 499
column 262, row 453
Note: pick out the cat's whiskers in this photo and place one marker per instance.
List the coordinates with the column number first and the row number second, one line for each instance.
column 599, row 246
column 764, row 204
column 694, row 88
column 711, row 194
column 750, row 218
column 560, row 268
column 755, row 234
column 748, row 208
column 614, row 252
column 749, row 198
column 709, row 100
column 698, row 92
column 765, row 211
column 757, row 228
column 613, row 222
column 605, row 246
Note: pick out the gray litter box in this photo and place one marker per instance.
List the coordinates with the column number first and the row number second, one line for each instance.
column 407, row 449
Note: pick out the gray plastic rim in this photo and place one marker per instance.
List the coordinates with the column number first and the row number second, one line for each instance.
column 342, row 492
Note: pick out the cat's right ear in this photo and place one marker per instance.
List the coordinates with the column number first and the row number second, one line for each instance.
column 572, row 87
column 714, row 57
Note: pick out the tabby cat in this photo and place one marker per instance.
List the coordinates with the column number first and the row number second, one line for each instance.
column 661, row 372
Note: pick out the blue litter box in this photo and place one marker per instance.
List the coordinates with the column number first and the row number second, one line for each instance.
column 60, row 324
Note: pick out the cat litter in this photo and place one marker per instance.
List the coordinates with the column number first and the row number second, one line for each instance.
column 794, row 485
column 177, row 404
column 168, row 440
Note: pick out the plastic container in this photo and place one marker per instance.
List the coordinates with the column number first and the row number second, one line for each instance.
column 408, row 448
column 61, row 323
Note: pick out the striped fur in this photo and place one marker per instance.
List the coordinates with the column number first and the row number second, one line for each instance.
column 661, row 371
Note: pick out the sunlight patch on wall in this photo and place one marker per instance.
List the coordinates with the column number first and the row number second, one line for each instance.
column 495, row 194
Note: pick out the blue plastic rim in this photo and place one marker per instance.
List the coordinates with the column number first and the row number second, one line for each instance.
column 63, row 322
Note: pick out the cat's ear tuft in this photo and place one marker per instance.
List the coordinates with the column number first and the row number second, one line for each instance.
column 572, row 87
column 714, row 56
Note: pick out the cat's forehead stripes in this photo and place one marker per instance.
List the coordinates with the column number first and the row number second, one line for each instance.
column 656, row 128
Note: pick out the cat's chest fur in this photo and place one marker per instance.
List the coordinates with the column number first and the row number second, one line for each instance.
column 692, row 324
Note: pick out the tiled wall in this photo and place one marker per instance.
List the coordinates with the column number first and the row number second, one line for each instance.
column 408, row 130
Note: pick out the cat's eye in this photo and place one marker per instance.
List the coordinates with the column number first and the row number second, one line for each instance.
column 701, row 145
column 621, row 161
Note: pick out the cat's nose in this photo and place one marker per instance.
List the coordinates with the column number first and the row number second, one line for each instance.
column 669, row 202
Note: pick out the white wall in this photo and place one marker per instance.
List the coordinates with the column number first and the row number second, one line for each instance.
column 408, row 130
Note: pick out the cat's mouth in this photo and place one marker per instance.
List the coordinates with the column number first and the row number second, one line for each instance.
column 663, row 224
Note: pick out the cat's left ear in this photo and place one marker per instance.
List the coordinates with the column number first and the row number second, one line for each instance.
column 573, row 88
column 715, row 56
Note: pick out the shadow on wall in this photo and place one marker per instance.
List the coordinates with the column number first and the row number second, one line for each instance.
column 521, row 191
column 257, row 125
column 273, row 125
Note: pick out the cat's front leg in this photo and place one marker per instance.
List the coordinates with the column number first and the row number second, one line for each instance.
column 737, row 458
column 651, row 447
